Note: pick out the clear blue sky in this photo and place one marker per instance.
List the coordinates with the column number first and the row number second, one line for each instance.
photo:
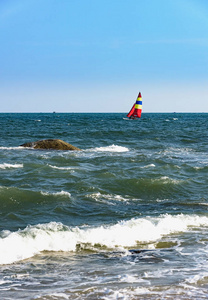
column 96, row 55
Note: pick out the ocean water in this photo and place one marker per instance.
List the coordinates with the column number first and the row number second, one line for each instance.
column 69, row 220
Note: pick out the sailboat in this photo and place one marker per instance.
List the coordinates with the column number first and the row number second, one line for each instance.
column 136, row 110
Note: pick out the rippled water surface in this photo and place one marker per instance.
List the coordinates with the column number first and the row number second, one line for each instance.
column 125, row 218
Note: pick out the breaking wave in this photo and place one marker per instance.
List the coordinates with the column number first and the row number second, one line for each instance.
column 62, row 168
column 9, row 166
column 112, row 148
column 62, row 193
column 53, row 236
column 12, row 148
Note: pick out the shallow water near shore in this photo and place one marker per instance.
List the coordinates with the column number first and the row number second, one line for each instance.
column 69, row 220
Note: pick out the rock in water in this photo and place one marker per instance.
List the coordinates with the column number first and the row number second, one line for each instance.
column 50, row 144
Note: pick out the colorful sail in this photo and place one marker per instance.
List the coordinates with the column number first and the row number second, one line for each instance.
column 136, row 110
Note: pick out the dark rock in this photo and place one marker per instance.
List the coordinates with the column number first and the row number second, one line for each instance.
column 55, row 144
column 138, row 251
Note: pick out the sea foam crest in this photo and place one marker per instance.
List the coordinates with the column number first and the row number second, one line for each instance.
column 62, row 193
column 112, row 148
column 11, row 148
column 16, row 246
column 148, row 166
column 61, row 168
column 103, row 197
column 8, row 166
column 166, row 180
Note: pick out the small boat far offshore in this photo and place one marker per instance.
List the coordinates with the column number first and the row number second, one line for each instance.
column 136, row 109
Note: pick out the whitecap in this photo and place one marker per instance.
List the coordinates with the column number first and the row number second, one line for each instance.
column 22, row 244
column 9, row 166
column 148, row 166
column 109, row 197
column 132, row 279
column 62, row 193
column 167, row 180
column 201, row 168
column 195, row 278
column 12, row 148
column 112, row 148
column 61, row 168
column 126, row 293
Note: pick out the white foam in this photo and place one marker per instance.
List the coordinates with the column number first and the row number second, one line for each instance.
column 196, row 278
column 126, row 293
column 177, row 151
column 186, row 154
column 62, row 193
column 132, row 279
column 203, row 167
column 100, row 197
column 15, row 246
column 61, row 168
column 8, row 166
column 52, row 296
column 167, row 180
column 12, row 148
column 112, row 148
column 148, row 166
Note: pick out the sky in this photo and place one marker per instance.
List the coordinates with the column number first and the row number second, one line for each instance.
column 96, row 55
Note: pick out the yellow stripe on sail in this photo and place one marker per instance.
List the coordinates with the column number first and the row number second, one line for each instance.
column 138, row 106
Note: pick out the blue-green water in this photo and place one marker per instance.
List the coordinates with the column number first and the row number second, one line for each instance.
column 69, row 218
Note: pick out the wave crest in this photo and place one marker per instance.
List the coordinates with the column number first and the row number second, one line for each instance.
column 9, row 166
column 112, row 148
column 16, row 246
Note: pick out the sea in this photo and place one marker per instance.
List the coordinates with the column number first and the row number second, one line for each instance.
column 125, row 218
